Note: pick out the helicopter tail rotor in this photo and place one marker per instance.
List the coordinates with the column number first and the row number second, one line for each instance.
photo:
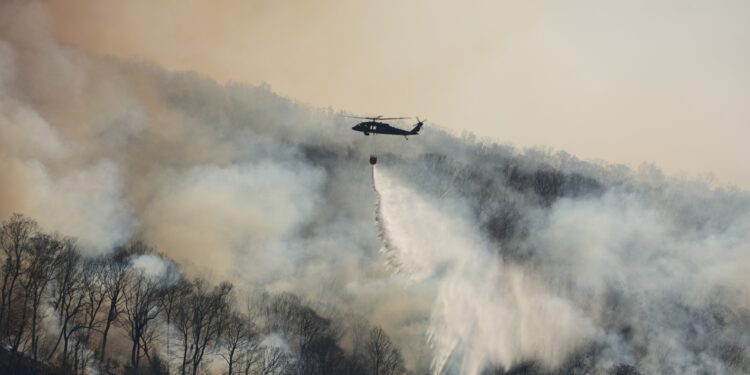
column 417, row 127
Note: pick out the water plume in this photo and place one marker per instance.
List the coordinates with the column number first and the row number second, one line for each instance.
column 485, row 310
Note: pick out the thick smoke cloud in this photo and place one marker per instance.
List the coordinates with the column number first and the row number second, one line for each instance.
column 681, row 293
column 231, row 218
column 504, row 259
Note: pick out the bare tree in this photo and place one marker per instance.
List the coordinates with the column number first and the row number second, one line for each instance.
column 15, row 237
column 200, row 322
column 89, row 321
column 183, row 325
column 311, row 337
column 80, row 353
column 265, row 355
column 239, row 340
column 44, row 258
column 286, row 313
column 67, row 296
column 380, row 355
column 266, row 360
column 141, row 298
column 210, row 310
column 170, row 301
column 115, row 278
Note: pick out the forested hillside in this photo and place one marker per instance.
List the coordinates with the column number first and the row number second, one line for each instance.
column 133, row 311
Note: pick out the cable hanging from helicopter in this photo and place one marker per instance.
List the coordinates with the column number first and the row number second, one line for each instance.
column 374, row 125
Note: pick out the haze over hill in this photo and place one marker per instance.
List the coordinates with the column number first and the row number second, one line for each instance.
column 494, row 258
column 628, row 82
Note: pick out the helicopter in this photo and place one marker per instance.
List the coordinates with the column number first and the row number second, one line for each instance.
column 375, row 127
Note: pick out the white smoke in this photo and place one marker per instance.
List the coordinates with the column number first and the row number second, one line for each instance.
column 155, row 268
column 666, row 281
column 233, row 221
column 25, row 134
column 274, row 340
column 86, row 203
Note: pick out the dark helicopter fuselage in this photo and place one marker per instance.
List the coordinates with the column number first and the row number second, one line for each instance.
column 374, row 127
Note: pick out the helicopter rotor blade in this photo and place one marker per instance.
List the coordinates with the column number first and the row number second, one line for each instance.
column 377, row 118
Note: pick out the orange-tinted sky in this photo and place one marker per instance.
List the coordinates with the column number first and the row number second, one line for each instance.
column 666, row 82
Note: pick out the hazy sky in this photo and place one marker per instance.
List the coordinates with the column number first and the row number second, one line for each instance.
column 666, row 82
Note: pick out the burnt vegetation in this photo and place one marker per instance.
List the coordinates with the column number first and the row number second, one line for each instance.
column 62, row 312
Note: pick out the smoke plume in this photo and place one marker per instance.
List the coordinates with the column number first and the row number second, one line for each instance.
column 499, row 258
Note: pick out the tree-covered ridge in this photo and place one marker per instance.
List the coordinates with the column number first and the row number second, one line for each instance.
column 132, row 311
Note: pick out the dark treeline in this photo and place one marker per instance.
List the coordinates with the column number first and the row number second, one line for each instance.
column 132, row 312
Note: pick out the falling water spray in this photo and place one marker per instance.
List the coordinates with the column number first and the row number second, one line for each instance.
column 485, row 312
